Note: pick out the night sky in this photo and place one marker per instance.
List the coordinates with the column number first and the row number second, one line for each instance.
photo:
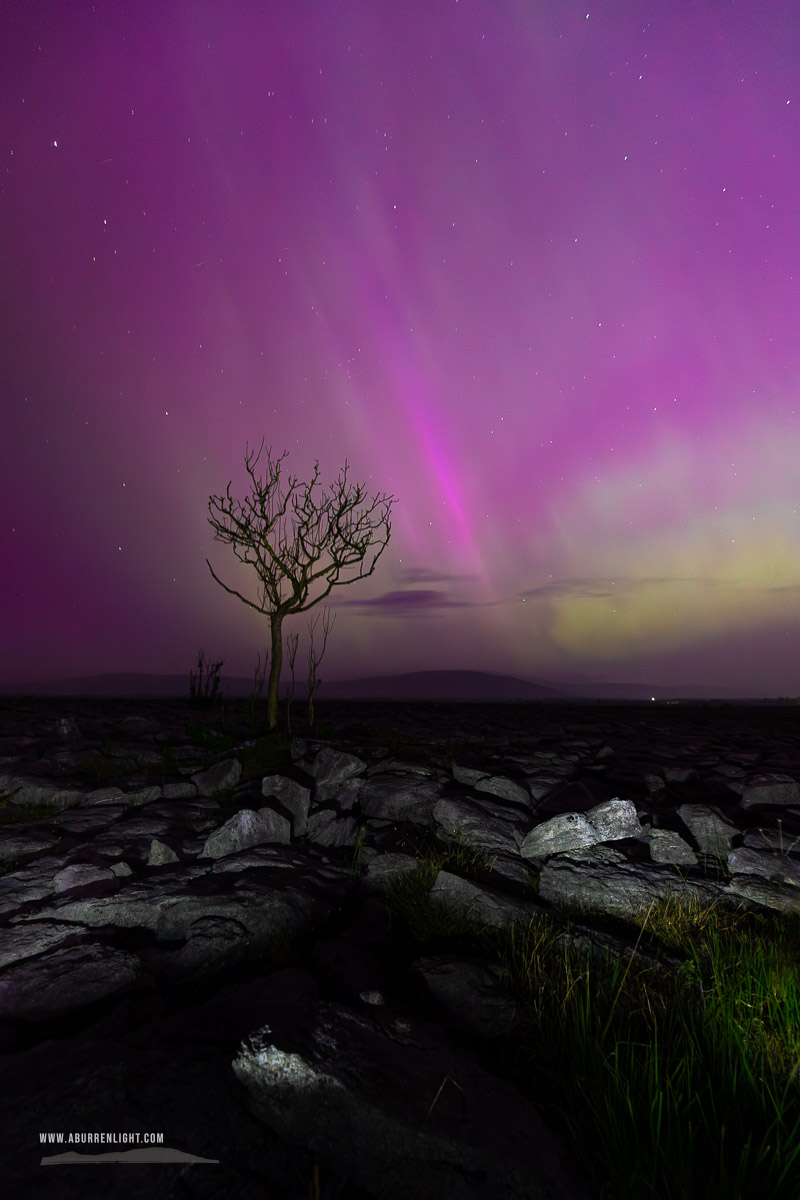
column 532, row 268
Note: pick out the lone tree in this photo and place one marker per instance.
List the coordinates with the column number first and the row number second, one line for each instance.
column 329, row 528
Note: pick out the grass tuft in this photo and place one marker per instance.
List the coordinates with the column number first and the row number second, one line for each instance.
column 669, row 1085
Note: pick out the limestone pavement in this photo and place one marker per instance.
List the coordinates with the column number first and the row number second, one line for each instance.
column 185, row 951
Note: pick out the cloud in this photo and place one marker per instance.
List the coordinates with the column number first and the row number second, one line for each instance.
column 405, row 604
column 426, row 575
column 603, row 587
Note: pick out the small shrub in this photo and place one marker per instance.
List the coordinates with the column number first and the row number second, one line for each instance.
column 208, row 691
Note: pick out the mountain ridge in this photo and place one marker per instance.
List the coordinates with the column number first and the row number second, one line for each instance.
column 453, row 686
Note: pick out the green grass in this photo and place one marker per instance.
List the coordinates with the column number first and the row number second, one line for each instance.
column 18, row 814
column 669, row 1086
column 355, row 859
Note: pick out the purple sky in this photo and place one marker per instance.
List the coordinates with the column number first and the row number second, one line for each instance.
column 533, row 268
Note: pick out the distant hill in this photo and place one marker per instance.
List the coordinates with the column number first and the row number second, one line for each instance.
column 440, row 685
column 131, row 686
column 415, row 685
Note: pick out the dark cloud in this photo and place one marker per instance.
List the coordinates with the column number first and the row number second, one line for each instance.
column 405, row 604
column 607, row 587
column 427, row 575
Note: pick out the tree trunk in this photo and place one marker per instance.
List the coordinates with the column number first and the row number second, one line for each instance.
column 276, row 620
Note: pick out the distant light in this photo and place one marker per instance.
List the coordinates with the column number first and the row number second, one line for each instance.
column 652, row 697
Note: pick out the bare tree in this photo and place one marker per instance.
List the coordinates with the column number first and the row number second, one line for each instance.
column 330, row 528
column 291, row 643
column 255, row 695
column 315, row 659
column 211, row 685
